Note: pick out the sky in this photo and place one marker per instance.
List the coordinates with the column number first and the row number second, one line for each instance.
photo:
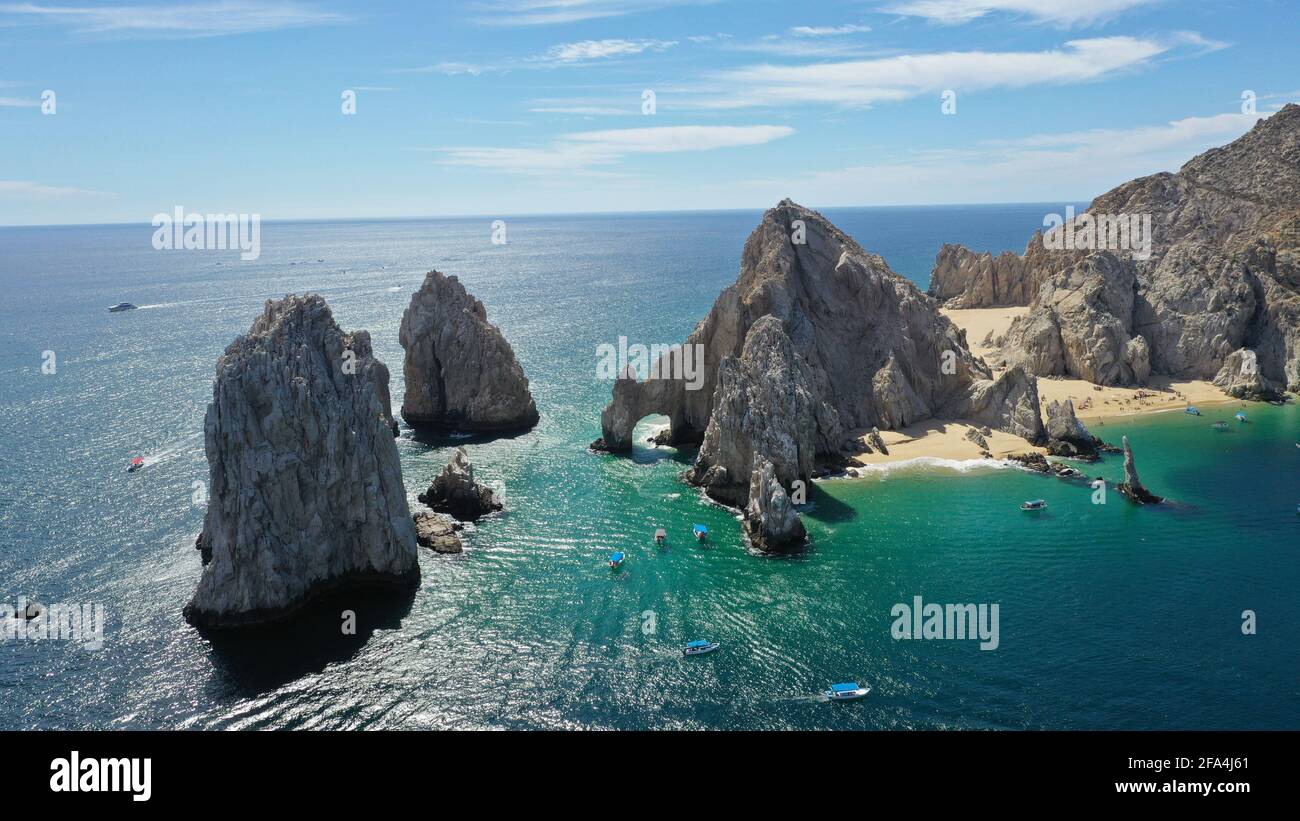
column 113, row 112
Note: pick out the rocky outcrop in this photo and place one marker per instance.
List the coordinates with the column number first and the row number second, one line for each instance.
column 871, row 348
column 306, row 490
column 1132, row 485
column 1240, row 377
column 763, row 410
column 1221, row 273
column 963, row 278
column 454, row 491
column 1067, row 436
column 437, row 531
column 771, row 521
column 461, row 373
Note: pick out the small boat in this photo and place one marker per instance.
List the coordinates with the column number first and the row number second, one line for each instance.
column 701, row 533
column 660, row 536
column 1219, row 426
column 846, row 691
column 122, row 306
column 136, row 463
column 699, row 647
column 1034, row 504
column 1240, row 417
column 616, row 560
column 1192, row 410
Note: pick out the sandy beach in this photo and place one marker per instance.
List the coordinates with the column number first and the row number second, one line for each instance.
column 937, row 439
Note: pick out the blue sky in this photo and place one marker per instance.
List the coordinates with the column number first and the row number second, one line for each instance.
column 501, row 107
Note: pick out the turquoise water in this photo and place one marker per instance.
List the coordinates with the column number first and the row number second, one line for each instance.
column 1110, row 615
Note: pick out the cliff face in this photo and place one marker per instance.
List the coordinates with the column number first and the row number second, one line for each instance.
column 306, row 489
column 461, row 373
column 1222, row 274
column 876, row 350
column 963, row 278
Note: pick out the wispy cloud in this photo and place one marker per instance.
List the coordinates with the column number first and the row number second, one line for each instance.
column 828, row 31
column 590, row 149
column 550, row 12
column 18, row 102
column 442, row 68
column 203, row 19
column 1056, row 12
column 27, row 188
column 588, row 50
column 864, row 82
column 585, row 110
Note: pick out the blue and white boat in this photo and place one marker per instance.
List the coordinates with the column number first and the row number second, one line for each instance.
column 701, row 533
column 120, row 307
column 1034, row 504
column 616, row 560
column 1241, row 417
column 1192, row 410
column 847, row 691
column 699, row 647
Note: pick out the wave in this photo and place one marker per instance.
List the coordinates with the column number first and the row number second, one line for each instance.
column 930, row 463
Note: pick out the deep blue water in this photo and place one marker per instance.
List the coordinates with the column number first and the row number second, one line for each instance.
column 1110, row 615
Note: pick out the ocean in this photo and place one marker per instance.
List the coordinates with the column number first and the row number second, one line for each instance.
column 1110, row 615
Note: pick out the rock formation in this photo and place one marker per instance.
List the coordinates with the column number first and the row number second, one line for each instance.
column 306, row 490
column 454, row 491
column 874, row 350
column 771, row 522
column 965, row 279
column 1240, row 377
column 1067, row 436
column 1221, row 274
column 461, row 373
column 437, row 531
column 1132, row 485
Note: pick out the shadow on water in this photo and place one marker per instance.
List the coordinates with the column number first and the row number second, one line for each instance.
column 258, row 660
column 449, row 438
column 825, row 507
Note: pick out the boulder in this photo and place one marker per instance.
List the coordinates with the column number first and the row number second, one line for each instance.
column 1067, row 436
column 437, row 531
column 1240, row 377
column 306, row 493
column 454, row 491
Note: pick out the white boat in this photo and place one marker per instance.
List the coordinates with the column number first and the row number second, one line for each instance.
column 121, row 306
column 1034, row 504
column 699, row 647
column 847, row 691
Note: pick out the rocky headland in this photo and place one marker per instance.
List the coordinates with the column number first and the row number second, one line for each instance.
column 461, row 373
column 306, row 493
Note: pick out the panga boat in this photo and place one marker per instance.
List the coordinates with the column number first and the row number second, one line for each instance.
column 660, row 536
column 1241, row 417
column 121, row 306
column 846, row 691
column 701, row 533
column 1220, row 426
column 699, row 647
column 1034, row 504
column 136, row 463
column 616, row 560
column 1192, row 410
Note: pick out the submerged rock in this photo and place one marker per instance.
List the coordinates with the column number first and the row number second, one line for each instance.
column 454, row 491
column 461, row 373
column 771, row 521
column 306, row 490
column 437, row 531
column 1132, row 485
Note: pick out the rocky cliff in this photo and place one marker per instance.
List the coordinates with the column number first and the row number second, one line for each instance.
column 306, row 490
column 963, row 278
column 461, row 373
column 1221, row 275
column 876, row 350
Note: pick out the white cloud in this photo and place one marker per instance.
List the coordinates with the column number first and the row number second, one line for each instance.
column 589, row 149
column 1037, row 168
column 599, row 49
column 18, row 102
column 27, row 188
column 828, row 31
column 550, row 12
column 864, row 82
column 1057, row 12
column 203, row 19
column 587, row 110
column 442, row 68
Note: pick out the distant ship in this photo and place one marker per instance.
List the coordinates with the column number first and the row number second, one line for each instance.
column 122, row 306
